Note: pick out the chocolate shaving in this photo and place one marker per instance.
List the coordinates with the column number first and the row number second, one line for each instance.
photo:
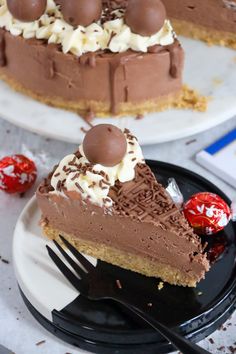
column 3, row 60
column 139, row 116
column 190, row 141
column 5, row 261
column 221, row 348
column 41, row 342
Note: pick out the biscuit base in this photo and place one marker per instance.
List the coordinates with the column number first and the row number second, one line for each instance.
column 136, row 263
column 206, row 34
column 187, row 98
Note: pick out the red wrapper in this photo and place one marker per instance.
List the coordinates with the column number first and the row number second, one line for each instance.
column 207, row 213
column 17, row 174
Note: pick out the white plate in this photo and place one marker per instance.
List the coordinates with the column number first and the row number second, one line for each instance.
column 211, row 70
column 39, row 279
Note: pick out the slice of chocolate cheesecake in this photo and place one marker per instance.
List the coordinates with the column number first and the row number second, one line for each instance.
column 213, row 21
column 106, row 201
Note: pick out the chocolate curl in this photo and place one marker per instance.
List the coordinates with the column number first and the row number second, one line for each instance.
column 175, row 193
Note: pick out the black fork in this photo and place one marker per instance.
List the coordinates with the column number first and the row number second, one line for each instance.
column 97, row 285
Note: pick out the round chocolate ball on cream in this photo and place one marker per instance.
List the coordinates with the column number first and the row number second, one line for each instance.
column 145, row 17
column 81, row 12
column 105, row 144
column 27, row 10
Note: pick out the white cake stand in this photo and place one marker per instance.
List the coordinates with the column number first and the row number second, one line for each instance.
column 210, row 70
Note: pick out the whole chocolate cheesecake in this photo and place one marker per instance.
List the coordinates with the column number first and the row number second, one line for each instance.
column 213, row 21
column 109, row 57
column 106, row 201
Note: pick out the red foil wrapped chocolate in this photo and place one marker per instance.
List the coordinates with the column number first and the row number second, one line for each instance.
column 207, row 213
column 17, row 174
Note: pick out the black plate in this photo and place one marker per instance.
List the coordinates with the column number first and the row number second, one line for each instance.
column 104, row 327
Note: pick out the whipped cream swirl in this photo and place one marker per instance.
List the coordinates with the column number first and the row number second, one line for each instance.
column 114, row 35
column 93, row 182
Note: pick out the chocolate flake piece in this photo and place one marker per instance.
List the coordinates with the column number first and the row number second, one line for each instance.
column 139, row 116
column 2, row 48
column 221, row 348
column 118, row 283
column 40, row 343
column 190, row 141
column 5, row 261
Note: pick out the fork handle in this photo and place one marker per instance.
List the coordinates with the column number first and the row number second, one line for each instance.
column 178, row 341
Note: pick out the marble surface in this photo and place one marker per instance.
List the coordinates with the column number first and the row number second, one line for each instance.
column 218, row 84
column 19, row 331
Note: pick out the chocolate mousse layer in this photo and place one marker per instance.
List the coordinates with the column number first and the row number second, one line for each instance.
column 143, row 222
column 214, row 14
column 102, row 81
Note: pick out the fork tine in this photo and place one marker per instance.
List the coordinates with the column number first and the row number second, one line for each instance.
column 68, row 274
column 74, row 265
column 85, row 263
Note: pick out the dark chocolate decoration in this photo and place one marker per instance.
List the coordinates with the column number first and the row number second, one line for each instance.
column 27, row 10
column 105, row 144
column 3, row 60
column 145, row 17
column 81, row 12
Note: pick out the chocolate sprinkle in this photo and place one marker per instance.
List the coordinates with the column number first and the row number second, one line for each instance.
column 5, row 261
column 79, row 187
column 2, row 48
column 41, row 342
column 190, row 141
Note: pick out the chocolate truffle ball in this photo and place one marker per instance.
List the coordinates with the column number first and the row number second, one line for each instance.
column 145, row 17
column 81, row 12
column 27, row 10
column 105, row 144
